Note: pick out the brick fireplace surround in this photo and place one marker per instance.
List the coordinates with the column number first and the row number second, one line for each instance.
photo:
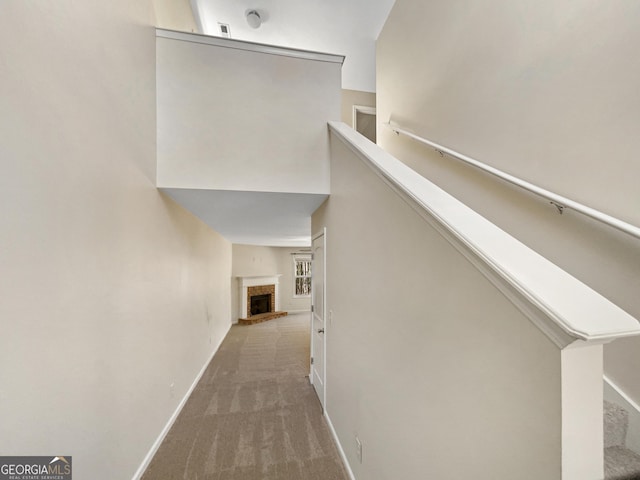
column 261, row 290
column 262, row 285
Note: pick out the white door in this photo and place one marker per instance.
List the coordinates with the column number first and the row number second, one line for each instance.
column 318, row 321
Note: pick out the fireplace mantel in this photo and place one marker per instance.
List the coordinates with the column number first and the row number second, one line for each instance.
column 246, row 281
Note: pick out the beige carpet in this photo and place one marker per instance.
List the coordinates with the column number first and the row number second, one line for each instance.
column 253, row 415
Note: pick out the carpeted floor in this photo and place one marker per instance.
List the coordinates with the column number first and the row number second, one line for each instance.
column 253, row 415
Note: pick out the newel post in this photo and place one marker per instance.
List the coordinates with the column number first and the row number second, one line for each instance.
column 582, row 412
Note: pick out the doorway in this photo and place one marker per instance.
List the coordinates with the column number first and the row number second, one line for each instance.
column 364, row 121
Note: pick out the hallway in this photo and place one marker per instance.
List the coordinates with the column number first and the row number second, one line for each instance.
column 253, row 415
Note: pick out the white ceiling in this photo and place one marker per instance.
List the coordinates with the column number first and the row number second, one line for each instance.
column 253, row 218
column 345, row 27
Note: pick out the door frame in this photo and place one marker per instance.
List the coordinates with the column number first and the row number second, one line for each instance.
column 322, row 233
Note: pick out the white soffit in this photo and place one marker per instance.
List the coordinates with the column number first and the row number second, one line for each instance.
column 347, row 28
column 253, row 218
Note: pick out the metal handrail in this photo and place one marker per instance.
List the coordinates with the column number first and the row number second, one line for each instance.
column 558, row 201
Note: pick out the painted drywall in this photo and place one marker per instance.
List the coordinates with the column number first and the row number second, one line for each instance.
column 543, row 90
column 254, row 260
column 259, row 260
column 175, row 14
column 231, row 119
column 436, row 372
column 110, row 292
column 355, row 97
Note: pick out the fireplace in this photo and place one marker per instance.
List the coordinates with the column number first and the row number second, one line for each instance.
column 258, row 297
column 261, row 299
column 260, row 304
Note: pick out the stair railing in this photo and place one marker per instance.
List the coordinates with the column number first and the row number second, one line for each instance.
column 558, row 201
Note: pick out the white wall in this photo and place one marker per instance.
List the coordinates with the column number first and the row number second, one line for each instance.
column 546, row 91
column 436, row 372
column 258, row 260
column 231, row 119
column 175, row 14
column 110, row 292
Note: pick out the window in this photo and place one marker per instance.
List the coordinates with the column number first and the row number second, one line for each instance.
column 302, row 276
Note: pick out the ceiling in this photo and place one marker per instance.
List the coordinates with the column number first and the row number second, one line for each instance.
column 253, row 218
column 345, row 27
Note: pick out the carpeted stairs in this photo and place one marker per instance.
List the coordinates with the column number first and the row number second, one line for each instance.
column 620, row 463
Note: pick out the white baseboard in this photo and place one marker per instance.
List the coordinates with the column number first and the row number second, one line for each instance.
column 339, row 445
column 154, row 448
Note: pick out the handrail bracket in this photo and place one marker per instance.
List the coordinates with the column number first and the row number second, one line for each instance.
column 558, row 206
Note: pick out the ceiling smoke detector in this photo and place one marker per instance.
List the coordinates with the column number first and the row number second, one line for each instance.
column 253, row 19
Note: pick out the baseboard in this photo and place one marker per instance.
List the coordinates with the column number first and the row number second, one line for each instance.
column 156, row 445
column 339, row 445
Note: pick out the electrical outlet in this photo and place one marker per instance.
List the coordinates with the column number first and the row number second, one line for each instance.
column 172, row 390
column 359, row 449
column 330, row 317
